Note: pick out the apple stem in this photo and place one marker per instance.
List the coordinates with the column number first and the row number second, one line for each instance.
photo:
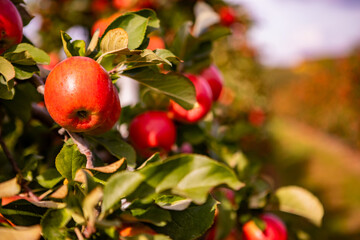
column 83, row 148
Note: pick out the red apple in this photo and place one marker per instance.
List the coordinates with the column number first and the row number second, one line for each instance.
column 132, row 230
column 202, row 106
column 103, row 23
column 123, row 4
column 156, row 42
column 256, row 117
column 10, row 25
column 152, row 131
column 275, row 229
column 227, row 15
column 214, row 78
column 54, row 59
column 80, row 96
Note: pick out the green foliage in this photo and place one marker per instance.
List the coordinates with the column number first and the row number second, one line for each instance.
column 69, row 160
column 176, row 194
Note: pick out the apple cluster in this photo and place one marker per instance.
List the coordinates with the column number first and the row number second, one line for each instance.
column 155, row 131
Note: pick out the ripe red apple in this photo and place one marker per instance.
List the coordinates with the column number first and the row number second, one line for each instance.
column 275, row 229
column 10, row 25
column 80, row 96
column 156, row 42
column 227, row 15
column 103, row 23
column 215, row 80
column 152, row 131
column 202, row 106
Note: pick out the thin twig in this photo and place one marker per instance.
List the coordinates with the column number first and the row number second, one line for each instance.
column 78, row 234
column 40, row 113
column 8, row 154
column 16, row 168
column 83, row 148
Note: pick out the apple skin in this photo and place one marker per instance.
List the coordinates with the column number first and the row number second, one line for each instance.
column 103, row 23
column 202, row 106
column 215, row 80
column 152, row 131
column 275, row 229
column 10, row 25
column 227, row 15
column 80, row 96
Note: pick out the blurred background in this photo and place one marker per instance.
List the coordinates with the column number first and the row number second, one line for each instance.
column 292, row 87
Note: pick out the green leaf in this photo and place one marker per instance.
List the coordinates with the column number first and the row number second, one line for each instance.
column 189, row 175
column 66, row 41
column 171, row 202
column 21, row 58
column 154, row 22
column 6, row 69
column 9, row 188
column 29, row 233
column 69, row 160
column 20, row 105
column 153, row 215
column 190, row 223
column 135, row 26
column 113, row 142
column 29, row 54
column 177, row 87
column 215, row 33
column 79, row 47
column 167, row 55
column 54, row 222
column 146, row 58
column 119, row 186
column 23, row 72
column 23, row 213
column 115, row 39
column 49, row 178
column 5, row 92
column 75, row 48
column 299, row 201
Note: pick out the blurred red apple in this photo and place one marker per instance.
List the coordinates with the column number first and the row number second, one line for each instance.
column 215, row 80
column 156, row 42
column 202, row 106
column 11, row 25
column 227, row 15
column 275, row 229
column 152, row 131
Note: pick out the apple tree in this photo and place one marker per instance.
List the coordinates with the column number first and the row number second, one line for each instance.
column 167, row 167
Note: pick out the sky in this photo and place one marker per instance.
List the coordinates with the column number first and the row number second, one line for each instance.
column 287, row 32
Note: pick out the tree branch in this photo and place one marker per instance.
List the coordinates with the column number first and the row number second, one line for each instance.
column 16, row 168
column 38, row 83
column 83, row 148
